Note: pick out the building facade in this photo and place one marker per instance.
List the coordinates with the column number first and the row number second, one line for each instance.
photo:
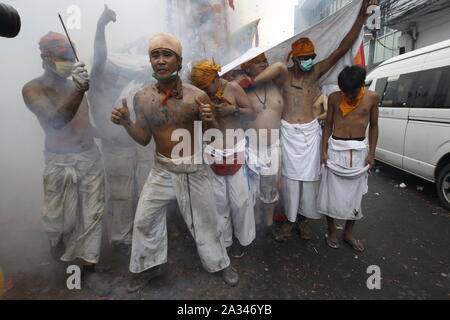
column 406, row 25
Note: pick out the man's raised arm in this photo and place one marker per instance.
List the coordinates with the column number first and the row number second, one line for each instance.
column 100, row 47
column 347, row 43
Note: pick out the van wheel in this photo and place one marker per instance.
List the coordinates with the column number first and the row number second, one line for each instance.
column 443, row 186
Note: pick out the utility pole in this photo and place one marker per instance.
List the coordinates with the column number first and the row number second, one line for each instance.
column 372, row 45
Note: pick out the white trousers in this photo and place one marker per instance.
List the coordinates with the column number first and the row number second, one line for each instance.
column 234, row 207
column 191, row 190
column 74, row 198
column 300, row 197
column 263, row 168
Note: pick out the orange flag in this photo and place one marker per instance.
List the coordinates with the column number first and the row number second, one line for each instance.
column 360, row 59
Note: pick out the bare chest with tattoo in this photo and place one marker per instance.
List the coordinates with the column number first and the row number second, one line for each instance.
column 175, row 112
column 299, row 94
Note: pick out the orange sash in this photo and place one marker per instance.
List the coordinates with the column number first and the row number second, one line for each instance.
column 347, row 106
column 220, row 97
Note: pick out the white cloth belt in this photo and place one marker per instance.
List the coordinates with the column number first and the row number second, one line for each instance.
column 225, row 153
column 179, row 165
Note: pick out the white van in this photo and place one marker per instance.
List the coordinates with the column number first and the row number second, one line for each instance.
column 415, row 114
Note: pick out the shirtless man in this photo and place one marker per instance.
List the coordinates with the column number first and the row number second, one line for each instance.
column 120, row 151
column 301, row 133
column 73, row 176
column 320, row 106
column 161, row 109
column 346, row 155
column 232, row 194
column 268, row 99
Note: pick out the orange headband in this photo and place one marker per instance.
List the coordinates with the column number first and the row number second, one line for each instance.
column 259, row 58
column 302, row 47
column 204, row 73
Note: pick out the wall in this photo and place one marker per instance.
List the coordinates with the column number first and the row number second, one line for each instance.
column 433, row 30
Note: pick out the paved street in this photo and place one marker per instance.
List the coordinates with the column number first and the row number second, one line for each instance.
column 405, row 231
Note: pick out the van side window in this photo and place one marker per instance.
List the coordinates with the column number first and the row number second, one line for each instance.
column 443, row 94
column 405, row 89
column 446, row 103
column 427, row 88
column 381, row 85
column 399, row 93
column 390, row 94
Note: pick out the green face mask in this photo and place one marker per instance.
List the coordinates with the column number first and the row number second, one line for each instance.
column 64, row 68
column 166, row 79
column 306, row 65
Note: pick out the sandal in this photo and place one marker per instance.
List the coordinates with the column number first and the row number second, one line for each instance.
column 332, row 243
column 356, row 245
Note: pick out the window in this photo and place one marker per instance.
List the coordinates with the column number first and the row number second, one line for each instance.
column 426, row 95
column 390, row 94
column 405, row 90
column 398, row 92
column 446, row 103
column 380, row 86
column 443, row 93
